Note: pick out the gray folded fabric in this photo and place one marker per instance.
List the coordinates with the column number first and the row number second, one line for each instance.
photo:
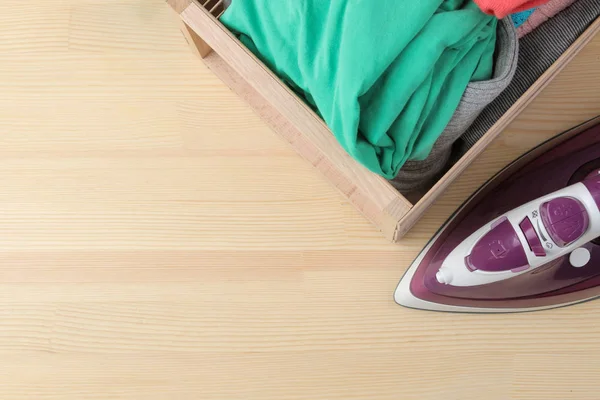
column 538, row 51
column 417, row 174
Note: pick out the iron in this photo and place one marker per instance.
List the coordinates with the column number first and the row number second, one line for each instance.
column 527, row 240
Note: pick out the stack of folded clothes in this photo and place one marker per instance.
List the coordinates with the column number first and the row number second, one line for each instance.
column 538, row 50
column 403, row 83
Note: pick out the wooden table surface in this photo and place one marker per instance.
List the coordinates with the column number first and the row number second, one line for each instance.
column 158, row 241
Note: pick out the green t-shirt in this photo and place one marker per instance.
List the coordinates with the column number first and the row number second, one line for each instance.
column 385, row 75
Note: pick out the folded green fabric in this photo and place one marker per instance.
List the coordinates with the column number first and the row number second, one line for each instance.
column 385, row 75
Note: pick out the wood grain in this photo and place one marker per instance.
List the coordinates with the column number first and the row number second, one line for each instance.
column 158, row 241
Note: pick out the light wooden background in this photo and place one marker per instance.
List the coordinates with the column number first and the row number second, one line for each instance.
column 157, row 241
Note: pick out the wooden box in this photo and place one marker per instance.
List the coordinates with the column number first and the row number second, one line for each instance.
column 288, row 115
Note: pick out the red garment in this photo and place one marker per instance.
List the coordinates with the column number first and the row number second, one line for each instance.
column 502, row 8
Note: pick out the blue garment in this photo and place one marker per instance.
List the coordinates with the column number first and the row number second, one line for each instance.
column 520, row 17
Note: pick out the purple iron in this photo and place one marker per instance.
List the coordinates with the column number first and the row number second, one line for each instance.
column 527, row 240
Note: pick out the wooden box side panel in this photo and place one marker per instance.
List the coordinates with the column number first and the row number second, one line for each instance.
column 293, row 120
column 421, row 207
column 302, row 146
